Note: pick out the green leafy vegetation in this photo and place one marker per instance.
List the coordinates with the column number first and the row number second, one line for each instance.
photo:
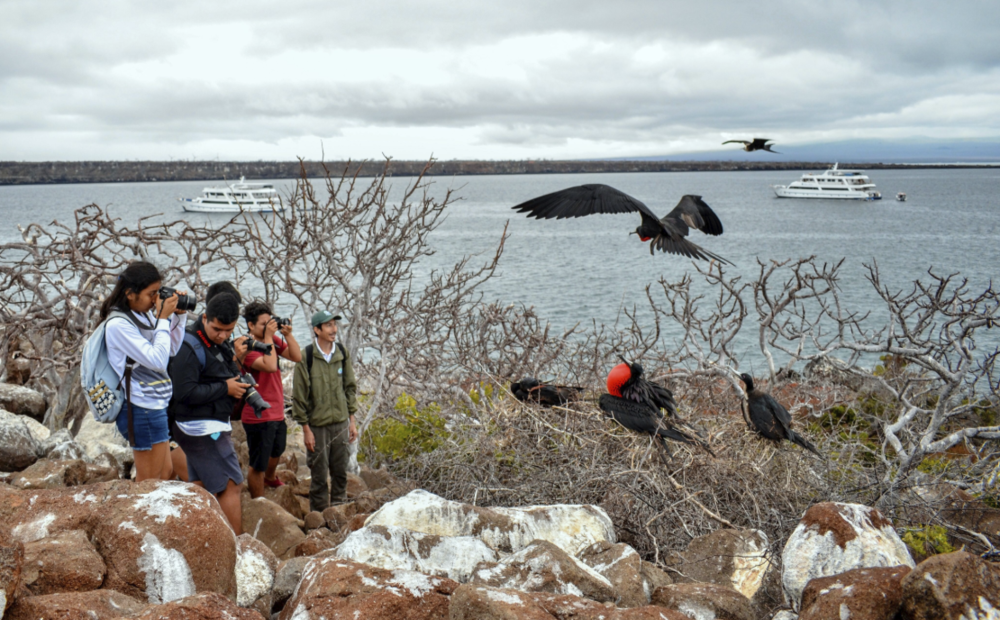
column 934, row 466
column 413, row 430
column 928, row 540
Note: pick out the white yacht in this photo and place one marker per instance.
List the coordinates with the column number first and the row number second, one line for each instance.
column 239, row 197
column 832, row 183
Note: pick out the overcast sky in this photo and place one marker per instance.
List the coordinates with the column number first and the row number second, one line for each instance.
column 517, row 79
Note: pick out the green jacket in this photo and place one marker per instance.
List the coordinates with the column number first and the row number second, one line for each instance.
column 329, row 395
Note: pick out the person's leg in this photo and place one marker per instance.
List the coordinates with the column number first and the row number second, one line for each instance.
column 167, row 467
column 180, row 464
column 319, row 467
column 278, row 444
column 229, row 500
column 338, row 463
column 148, row 463
column 259, row 447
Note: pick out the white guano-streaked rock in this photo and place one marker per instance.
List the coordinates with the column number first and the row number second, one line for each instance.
column 568, row 526
column 394, row 548
column 833, row 538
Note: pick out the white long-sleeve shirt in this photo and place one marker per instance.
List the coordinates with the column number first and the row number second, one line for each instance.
column 124, row 339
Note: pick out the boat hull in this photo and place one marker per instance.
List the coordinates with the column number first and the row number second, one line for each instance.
column 194, row 206
column 782, row 191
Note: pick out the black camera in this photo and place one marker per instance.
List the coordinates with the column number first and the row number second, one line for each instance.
column 280, row 321
column 258, row 346
column 184, row 302
column 253, row 397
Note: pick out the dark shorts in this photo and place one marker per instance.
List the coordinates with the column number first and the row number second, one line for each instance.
column 266, row 440
column 150, row 426
column 212, row 461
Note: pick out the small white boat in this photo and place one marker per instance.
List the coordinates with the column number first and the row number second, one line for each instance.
column 239, row 197
column 833, row 183
column 901, row 196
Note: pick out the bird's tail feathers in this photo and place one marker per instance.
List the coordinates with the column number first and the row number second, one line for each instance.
column 801, row 441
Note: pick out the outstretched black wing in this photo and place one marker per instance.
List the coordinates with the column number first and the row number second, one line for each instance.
column 759, row 143
column 693, row 212
column 582, row 200
column 667, row 242
column 737, row 142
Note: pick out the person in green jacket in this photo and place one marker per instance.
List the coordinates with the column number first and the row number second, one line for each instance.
column 323, row 403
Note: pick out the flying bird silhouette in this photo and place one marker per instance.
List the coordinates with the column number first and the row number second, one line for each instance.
column 636, row 403
column 769, row 419
column 531, row 390
column 758, row 144
column 666, row 234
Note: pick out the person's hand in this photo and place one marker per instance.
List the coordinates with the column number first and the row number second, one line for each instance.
column 168, row 306
column 240, row 346
column 286, row 330
column 352, row 431
column 270, row 328
column 178, row 310
column 309, row 439
column 235, row 388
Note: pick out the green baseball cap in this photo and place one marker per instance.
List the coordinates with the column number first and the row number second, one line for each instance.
column 324, row 316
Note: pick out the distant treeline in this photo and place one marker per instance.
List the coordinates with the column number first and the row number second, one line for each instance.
column 22, row 173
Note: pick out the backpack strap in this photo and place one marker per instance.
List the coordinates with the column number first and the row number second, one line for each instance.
column 195, row 344
column 128, row 401
column 309, row 357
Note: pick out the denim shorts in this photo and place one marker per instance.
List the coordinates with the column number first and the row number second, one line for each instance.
column 150, row 426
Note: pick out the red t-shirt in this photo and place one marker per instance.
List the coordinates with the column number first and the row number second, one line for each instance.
column 269, row 386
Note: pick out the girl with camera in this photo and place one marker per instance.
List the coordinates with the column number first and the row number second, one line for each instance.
column 142, row 332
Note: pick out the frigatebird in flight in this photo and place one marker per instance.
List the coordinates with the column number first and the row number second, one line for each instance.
column 637, row 404
column 666, row 234
column 758, row 144
column 531, row 390
column 769, row 419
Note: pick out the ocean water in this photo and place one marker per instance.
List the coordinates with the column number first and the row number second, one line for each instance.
column 590, row 268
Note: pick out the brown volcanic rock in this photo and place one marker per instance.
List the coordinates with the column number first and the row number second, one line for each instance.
column 11, row 561
column 865, row 593
column 727, row 557
column 474, row 602
column 204, row 606
column 66, row 562
column 22, row 401
column 288, row 575
column 622, row 566
column 704, row 600
column 335, row 588
column 54, row 474
column 256, row 568
column 339, row 515
column 165, row 540
column 319, row 540
column 544, row 567
column 952, row 586
column 355, row 486
column 18, row 447
column 93, row 605
column 272, row 525
column 158, row 539
column 285, row 497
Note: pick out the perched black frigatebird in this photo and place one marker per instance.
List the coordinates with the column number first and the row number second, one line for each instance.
column 769, row 419
column 667, row 233
column 637, row 404
column 531, row 390
column 758, row 144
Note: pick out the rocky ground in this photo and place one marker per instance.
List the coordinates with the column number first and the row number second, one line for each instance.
column 78, row 541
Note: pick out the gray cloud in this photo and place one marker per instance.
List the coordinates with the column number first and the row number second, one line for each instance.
column 536, row 79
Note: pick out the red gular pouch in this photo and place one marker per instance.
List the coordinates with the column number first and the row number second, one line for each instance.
column 618, row 377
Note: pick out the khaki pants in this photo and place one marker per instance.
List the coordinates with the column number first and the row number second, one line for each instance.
column 328, row 462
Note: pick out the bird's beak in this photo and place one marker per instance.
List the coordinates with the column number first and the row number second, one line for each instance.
column 633, row 233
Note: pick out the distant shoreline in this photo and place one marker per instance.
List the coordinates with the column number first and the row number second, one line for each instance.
column 47, row 173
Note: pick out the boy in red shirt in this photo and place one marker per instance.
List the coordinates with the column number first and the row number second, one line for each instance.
column 266, row 434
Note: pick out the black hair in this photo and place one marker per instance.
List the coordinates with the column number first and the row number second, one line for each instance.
column 254, row 309
column 224, row 308
column 136, row 277
column 223, row 287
